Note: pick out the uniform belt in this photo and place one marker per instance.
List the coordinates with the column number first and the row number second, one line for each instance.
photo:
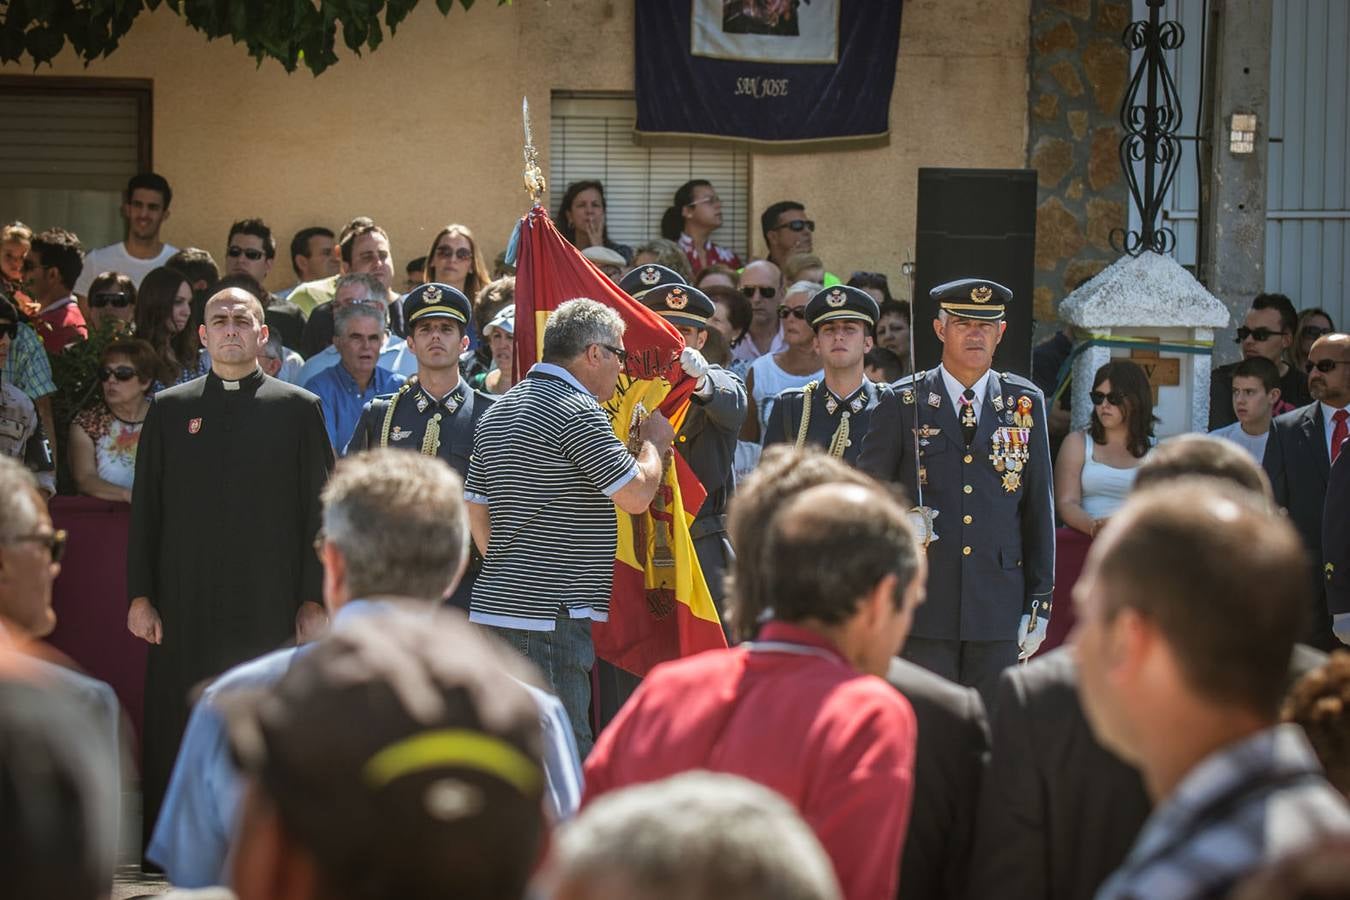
column 706, row 525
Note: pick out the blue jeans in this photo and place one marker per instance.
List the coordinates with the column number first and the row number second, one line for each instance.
column 565, row 657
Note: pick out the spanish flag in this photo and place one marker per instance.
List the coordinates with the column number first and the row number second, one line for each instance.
column 661, row 608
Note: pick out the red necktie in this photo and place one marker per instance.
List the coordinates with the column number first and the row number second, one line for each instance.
column 1339, row 432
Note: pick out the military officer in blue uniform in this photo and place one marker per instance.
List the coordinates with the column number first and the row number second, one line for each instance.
column 707, row 438
column 970, row 445
column 436, row 411
column 833, row 414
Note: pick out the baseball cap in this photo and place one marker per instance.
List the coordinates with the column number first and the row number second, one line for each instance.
column 403, row 755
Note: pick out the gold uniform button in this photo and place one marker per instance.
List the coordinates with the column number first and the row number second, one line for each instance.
column 965, row 551
column 968, row 489
column 967, row 519
column 969, row 458
column 683, row 439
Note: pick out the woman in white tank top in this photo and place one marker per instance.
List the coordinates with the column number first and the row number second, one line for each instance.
column 1094, row 473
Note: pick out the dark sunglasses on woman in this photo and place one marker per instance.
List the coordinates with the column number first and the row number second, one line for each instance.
column 116, row 300
column 121, row 373
column 798, row 311
column 1115, row 398
column 1314, row 331
column 461, row 253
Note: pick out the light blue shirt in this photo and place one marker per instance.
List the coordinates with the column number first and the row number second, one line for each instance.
column 192, row 836
column 396, row 357
column 343, row 400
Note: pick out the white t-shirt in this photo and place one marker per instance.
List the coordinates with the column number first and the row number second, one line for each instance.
column 1253, row 444
column 114, row 258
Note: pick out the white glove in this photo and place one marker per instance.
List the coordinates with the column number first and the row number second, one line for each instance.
column 694, row 365
column 1028, row 644
column 1340, row 626
column 921, row 519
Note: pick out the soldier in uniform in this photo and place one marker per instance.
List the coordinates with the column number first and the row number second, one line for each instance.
column 972, row 444
column 436, row 411
column 707, row 438
column 834, row 415
column 21, row 434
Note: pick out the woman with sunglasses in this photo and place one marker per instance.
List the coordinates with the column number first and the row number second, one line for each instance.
column 112, row 303
column 454, row 259
column 690, row 221
column 1094, row 473
column 163, row 308
column 791, row 367
column 581, row 218
column 103, row 439
column 1312, row 324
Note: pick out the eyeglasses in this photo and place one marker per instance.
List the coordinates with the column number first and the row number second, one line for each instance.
column 798, row 311
column 1313, row 331
column 768, row 293
column 1115, row 398
column 249, row 253
column 9, row 329
column 55, row 542
column 1323, row 365
column 119, row 301
column 621, row 353
column 1259, row 334
column 121, row 373
column 797, row 225
column 462, row 253
column 713, row 199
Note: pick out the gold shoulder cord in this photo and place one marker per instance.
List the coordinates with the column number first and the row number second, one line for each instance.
column 806, row 414
column 839, row 443
column 389, row 414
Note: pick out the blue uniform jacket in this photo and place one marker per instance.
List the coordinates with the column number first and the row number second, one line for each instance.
column 995, row 555
column 707, row 439
column 786, row 418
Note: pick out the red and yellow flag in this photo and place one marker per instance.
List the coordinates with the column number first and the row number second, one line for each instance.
column 660, row 608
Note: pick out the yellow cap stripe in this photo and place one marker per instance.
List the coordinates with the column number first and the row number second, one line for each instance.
column 682, row 315
column 844, row 314
column 987, row 307
column 454, row 313
column 454, row 747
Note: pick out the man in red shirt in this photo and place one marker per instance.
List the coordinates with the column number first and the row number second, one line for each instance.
column 801, row 709
column 54, row 261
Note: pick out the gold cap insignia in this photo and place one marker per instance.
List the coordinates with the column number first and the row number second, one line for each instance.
column 649, row 276
column 836, row 298
column 431, row 294
column 982, row 294
column 677, row 299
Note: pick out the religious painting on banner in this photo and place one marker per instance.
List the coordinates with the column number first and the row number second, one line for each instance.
column 766, row 70
column 660, row 608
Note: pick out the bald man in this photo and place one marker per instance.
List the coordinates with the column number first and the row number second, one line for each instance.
column 224, row 511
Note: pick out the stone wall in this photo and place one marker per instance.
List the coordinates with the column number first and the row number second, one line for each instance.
column 1079, row 72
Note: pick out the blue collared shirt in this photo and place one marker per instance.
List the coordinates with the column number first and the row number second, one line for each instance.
column 196, row 822
column 343, row 400
column 395, row 356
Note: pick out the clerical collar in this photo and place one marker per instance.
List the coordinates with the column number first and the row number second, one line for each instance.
column 251, row 378
column 854, row 402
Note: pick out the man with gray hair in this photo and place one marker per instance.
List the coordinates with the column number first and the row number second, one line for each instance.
column 395, row 532
column 546, row 473
column 693, row 835
column 355, row 287
column 358, row 378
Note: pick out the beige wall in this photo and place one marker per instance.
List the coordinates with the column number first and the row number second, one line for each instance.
column 426, row 130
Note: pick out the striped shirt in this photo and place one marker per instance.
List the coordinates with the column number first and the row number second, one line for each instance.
column 546, row 463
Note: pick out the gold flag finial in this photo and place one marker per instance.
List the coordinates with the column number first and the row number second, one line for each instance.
column 534, row 176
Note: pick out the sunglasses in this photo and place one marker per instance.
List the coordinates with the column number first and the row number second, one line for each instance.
column 55, row 541
column 749, row 291
column 9, row 329
column 621, row 353
column 798, row 311
column 1115, row 398
column 121, row 373
column 797, row 225
column 1260, row 334
column 1323, row 365
column 1314, row 331
column 100, row 300
column 247, row 252
column 462, row 253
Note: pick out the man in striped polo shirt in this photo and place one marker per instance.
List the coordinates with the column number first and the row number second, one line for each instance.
column 545, row 476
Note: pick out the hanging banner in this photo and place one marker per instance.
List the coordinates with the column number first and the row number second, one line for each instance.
column 776, row 71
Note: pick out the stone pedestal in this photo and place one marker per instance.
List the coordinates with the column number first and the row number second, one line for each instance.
column 1135, row 302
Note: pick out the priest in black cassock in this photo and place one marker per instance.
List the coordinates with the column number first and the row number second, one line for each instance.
column 224, row 512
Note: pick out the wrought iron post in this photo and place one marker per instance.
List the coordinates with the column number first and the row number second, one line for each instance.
column 1150, row 115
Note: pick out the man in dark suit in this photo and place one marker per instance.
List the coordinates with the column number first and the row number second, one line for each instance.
column 1336, row 547
column 983, row 468
column 1299, row 455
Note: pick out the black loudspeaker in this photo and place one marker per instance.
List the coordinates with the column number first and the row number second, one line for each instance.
column 976, row 223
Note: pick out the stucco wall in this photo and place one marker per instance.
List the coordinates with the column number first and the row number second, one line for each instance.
column 426, row 130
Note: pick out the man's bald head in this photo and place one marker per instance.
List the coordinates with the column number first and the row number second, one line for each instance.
column 234, row 295
column 1331, row 387
column 765, row 269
